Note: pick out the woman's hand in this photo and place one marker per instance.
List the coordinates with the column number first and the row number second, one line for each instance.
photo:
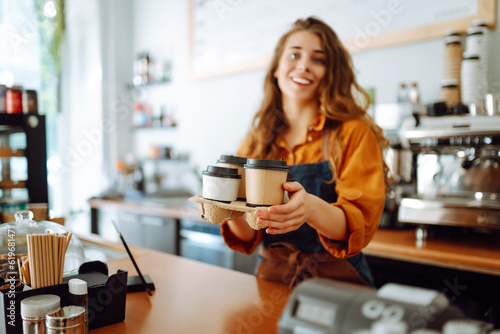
column 287, row 217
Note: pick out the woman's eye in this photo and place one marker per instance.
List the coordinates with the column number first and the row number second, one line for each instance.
column 294, row 56
column 319, row 60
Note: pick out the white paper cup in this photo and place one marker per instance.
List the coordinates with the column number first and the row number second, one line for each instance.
column 221, row 183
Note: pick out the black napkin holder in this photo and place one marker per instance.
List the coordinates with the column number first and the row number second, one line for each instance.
column 106, row 297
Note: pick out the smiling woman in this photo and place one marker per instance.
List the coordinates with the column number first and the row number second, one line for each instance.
column 310, row 118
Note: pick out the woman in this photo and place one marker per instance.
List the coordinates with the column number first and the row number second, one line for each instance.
column 311, row 117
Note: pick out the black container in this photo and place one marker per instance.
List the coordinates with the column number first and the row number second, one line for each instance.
column 30, row 102
column 3, row 99
column 437, row 109
column 106, row 296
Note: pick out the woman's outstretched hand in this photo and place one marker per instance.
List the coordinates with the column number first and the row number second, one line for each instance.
column 287, row 217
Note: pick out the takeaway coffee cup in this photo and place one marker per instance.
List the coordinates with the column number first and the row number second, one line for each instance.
column 221, row 183
column 233, row 161
column 264, row 181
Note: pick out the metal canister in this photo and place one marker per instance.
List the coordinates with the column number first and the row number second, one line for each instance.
column 3, row 99
column 30, row 101
column 14, row 98
column 68, row 320
column 34, row 310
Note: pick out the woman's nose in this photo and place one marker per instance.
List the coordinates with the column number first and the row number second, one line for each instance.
column 303, row 65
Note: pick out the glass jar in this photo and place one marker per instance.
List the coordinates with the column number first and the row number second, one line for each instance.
column 13, row 242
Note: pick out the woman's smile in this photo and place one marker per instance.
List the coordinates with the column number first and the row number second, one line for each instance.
column 301, row 80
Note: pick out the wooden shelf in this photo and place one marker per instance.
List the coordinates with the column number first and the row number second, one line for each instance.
column 9, row 184
column 7, row 152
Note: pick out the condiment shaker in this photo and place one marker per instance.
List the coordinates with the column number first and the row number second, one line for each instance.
column 68, row 320
column 78, row 296
column 34, row 310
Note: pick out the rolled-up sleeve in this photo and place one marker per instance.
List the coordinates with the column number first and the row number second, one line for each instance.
column 235, row 243
column 360, row 187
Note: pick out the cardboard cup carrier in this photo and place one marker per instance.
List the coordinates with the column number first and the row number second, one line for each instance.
column 264, row 181
column 233, row 161
column 221, row 183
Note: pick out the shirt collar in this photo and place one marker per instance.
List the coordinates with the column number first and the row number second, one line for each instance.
column 319, row 123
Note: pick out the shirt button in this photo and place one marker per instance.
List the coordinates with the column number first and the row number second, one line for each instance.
column 310, row 128
column 310, row 138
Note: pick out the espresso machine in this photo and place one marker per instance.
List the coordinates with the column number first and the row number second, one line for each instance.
column 457, row 172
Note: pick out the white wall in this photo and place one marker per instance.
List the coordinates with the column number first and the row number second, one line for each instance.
column 214, row 114
column 76, row 173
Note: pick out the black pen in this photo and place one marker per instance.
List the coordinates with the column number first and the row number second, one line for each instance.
column 133, row 261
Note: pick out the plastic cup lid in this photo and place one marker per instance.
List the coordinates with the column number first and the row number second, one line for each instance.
column 267, row 164
column 225, row 172
column 38, row 306
column 77, row 286
column 232, row 159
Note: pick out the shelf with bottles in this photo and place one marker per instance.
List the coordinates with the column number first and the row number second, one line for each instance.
column 23, row 159
column 149, row 71
column 154, row 83
column 146, row 116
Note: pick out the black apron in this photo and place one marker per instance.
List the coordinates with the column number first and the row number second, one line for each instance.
column 296, row 255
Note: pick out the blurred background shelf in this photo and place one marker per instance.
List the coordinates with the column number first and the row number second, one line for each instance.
column 22, row 137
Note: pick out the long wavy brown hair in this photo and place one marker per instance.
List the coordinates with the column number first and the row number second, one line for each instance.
column 341, row 98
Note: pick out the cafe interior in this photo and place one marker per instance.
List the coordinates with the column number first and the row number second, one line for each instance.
column 113, row 114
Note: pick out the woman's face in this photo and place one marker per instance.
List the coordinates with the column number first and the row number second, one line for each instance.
column 301, row 67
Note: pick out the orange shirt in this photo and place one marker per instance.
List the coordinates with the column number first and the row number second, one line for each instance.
column 360, row 185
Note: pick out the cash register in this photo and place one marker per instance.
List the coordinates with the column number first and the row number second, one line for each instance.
column 321, row 306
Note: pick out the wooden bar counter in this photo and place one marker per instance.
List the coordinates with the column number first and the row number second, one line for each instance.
column 479, row 254
column 193, row 297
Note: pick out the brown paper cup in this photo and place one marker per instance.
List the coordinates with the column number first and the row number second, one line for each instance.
column 264, row 187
